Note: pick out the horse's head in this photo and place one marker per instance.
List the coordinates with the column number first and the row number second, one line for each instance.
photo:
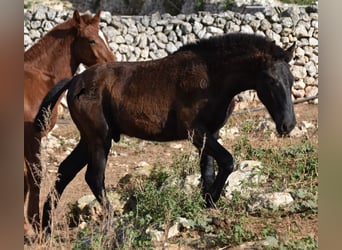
column 90, row 45
column 274, row 90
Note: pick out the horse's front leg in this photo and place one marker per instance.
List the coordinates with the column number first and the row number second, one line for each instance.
column 207, row 169
column 210, row 147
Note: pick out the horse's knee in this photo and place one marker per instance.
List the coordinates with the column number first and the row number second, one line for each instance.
column 89, row 179
column 226, row 163
column 94, row 181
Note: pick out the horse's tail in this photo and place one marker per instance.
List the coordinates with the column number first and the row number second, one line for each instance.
column 41, row 121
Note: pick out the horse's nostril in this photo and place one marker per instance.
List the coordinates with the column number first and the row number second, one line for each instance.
column 286, row 127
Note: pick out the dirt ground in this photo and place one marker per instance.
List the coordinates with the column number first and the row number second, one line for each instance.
column 131, row 154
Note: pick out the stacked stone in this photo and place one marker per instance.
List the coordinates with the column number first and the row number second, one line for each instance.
column 138, row 38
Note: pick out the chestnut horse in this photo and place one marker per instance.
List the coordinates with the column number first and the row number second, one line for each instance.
column 188, row 92
column 55, row 56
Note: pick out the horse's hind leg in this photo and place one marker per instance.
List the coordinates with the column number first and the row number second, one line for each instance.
column 95, row 175
column 66, row 172
column 32, row 171
column 33, row 181
column 26, row 190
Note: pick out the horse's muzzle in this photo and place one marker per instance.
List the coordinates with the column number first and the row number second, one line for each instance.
column 286, row 127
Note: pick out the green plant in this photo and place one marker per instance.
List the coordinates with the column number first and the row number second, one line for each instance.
column 240, row 233
column 304, row 243
column 199, row 5
column 27, row 4
column 173, row 7
column 228, row 4
column 299, row 2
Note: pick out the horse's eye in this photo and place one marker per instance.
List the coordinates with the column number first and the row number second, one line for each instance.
column 273, row 82
column 91, row 42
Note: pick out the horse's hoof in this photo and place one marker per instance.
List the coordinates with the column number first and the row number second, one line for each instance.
column 209, row 201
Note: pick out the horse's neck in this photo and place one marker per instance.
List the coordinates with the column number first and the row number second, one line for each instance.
column 52, row 56
column 238, row 76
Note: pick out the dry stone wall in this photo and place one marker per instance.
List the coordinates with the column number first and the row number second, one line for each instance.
column 138, row 38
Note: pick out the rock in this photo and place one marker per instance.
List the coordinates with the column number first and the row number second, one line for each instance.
column 35, row 25
column 266, row 125
column 40, row 14
column 297, row 132
column 311, row 91
column 106, row 16
column 143, row 164
column 313, row 41
column 277, row 28
column 246, row 29
column 192, row 182
column 170, row 47
column 298, row 72
column 287, row 22
column 311, row 68
column 208, row 20
column 159, row 235
column 229, row 133
column 129, row 39
column 162, row 37
column 247, row 172
column 214, row 30
column 300, row 31
column 197, row 27
column 176, row 145
column 265, row 25
column 300, row 84
column 186, row 28
column 272, row 200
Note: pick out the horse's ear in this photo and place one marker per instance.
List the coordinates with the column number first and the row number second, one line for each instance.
column 289, row 53
column 97, row 16
column 77, row 20
column 76, row 16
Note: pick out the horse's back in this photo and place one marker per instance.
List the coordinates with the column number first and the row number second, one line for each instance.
column 155, row 100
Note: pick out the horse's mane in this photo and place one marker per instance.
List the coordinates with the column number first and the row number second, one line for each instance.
column 61, row 30
column 235, row 44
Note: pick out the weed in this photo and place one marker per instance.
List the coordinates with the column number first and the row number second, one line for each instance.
column 199, row 5
column 228, row 4
column 173, row 7
column 299, row 2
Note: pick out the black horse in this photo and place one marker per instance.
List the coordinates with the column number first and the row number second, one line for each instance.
column 188, row 92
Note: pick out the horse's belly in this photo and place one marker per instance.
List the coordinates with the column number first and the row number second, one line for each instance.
column 154, row 129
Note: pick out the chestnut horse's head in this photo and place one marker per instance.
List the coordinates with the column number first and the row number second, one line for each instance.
column 90, row 45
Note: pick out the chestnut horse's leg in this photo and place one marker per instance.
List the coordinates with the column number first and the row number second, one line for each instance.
column 224, row 161
column 26, row 190
column 66, row 172
column 32, row 178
